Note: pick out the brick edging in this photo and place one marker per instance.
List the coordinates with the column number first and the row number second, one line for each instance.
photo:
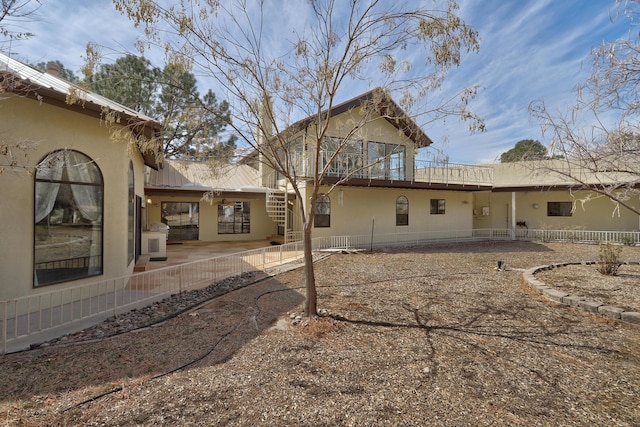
column 561, row 297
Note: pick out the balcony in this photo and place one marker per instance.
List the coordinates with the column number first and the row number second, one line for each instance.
column 393, row 171
column 452, row 173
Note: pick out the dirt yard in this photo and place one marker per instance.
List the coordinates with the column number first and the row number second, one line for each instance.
column 414, row 336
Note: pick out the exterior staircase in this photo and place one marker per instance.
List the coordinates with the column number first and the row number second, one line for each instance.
column 277, row 207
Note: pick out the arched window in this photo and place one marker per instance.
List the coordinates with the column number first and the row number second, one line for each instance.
column 68, row 212
column 322, row 217
column 402, row 211
column 131, row 216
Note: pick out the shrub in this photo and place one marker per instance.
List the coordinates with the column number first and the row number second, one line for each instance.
column 609, row 255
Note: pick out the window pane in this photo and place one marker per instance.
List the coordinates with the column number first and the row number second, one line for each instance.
column 396, row 163
column 377, row 159
column 348, row 161
column 559, row 208
column 68, row 218
column 402, row 211
column 322, row 217
column 234, row 219
column 182, row 219
column 437, row 207
column 131, row 216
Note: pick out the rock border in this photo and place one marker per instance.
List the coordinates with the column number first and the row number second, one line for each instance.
column 561, row 297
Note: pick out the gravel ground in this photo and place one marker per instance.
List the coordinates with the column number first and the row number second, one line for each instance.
column 414, row 336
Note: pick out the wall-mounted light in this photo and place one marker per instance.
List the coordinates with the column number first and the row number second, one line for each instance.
column 535, row 206
column 149, row 201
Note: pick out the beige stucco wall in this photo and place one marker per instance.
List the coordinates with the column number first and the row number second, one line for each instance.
column 261, row 225
column 354, row 216
column 53, row 128
column 597, row 214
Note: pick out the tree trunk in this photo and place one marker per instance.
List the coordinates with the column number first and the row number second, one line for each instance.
column 311, row 303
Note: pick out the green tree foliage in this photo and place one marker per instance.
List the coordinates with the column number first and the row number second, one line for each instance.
column 526, row 149
column 62, row 71
column 193, row 125
column 131, row 81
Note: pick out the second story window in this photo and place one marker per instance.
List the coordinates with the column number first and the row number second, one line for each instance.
column 396, row 163
column 386, row 161
column 322, row 217
column 343, row 156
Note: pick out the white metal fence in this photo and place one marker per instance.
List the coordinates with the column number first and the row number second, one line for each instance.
column 36, row 318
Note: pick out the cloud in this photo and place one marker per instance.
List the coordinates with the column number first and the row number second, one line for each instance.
column 530, row 50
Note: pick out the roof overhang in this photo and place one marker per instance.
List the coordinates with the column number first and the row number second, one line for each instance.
column 23, row 80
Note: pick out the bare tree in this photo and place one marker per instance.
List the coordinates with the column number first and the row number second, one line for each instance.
column 12, row 12
column 283, row 78
column 604, row 156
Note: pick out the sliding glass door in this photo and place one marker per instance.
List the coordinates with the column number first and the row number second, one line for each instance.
column 182, row 219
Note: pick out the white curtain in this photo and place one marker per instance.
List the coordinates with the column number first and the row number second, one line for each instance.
column 88, row 197
column 47, row 192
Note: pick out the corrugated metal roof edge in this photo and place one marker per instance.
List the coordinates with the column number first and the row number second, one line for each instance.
column 55, row 90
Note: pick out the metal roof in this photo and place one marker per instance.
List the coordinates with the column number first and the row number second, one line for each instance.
column 42, row 80
column 194, row 176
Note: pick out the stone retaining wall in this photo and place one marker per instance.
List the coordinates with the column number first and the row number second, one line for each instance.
column 561, row 297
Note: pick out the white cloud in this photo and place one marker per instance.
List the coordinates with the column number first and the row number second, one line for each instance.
column 530, row 50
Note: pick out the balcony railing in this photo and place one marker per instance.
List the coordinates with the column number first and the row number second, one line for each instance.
column 394, row 168
column 452, row 173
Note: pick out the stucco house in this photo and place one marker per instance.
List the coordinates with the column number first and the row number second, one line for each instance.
column 375, row 185
column 383, row 190
column 538, row 195
column 209, row 203
column 387, row 191
column 72, row 197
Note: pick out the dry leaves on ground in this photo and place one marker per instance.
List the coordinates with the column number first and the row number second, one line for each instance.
column 416, row 336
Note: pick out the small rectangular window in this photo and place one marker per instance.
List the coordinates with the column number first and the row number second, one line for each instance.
column 437, row 206
column 559, row 208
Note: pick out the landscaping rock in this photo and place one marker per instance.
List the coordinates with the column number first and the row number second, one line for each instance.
column 554, row 295
column 631, row 317
column 610, row 311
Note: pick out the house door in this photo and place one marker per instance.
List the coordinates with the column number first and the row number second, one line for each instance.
column 182, row 219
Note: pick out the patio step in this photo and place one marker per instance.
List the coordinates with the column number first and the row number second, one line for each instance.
column 141, row 264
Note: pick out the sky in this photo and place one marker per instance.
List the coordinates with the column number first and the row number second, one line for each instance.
column 530, row 50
